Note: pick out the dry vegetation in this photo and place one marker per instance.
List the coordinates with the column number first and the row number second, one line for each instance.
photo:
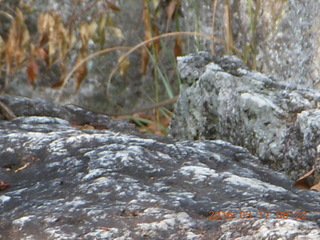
column 57, row 40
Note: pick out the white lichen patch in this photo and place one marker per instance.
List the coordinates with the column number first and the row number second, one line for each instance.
column 20, row 222
column 32, row 120
column 155, row 212
column 76, row 202
column 181, row 219
column 75, row 140
column 197, row 173
column 213, row 67
column 274, row 227
column 258, row 103
column 4, row 199
column 57, row 147
column 107, row 233
column 94, row 173
column 251, row 183
column 9, row 150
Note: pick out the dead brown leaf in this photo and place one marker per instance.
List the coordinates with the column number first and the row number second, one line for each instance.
column 178, row 46
column 57, row 84
column 32, row 70
column 6, row 112
column 304, row 181
column 84, row 33
column 112, row 6
column 144, row 60
column 172, row 8
column 150, row 30
column 18, row 38
column 4, row 185
column 316, row 187
column 54, row 38
column 81, row 71
column 41, row 53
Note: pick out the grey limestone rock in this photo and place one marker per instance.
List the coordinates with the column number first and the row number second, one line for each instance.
column 73, row 183
column 278, row 122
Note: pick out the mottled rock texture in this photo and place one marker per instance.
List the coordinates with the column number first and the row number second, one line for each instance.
column 73, row 183
column 222, row 99
column 281, row 37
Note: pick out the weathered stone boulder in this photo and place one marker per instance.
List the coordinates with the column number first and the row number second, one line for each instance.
column 222, row 99
column 21, row 106
column 69, row 182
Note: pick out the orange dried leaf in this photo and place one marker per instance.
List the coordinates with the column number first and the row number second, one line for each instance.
column 303, row 182
column 178, row 46
column 41, row 53
column 46, row 24
column 173, row 6
column 32, row 70
column 144, row 60
column 57, row 84
column 63, row 70
column 74, row 123
column 4, row 185
column 80, row 73
column 316, row 187
column 54, row 37
column 18, row 38
column 112, row 6
column 146, row 23
column 156, row 43
column 99, row 126
column 84, row 33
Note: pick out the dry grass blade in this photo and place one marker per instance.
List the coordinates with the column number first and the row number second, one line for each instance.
column 172, row 8
column 65, row 81
column 214, row 8
column 178, row 46
column 16, row 46
column 32, row 70
column 6, row 111
column 81, row 72
column 303, row 182
column 228, row 29
column 131, row 50
column 166, row 35
column 112, row 6
column 150, row 30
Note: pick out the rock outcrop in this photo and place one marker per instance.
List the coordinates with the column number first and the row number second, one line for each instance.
column 222, row 99
column 72, row 182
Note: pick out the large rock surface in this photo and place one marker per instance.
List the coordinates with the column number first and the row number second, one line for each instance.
column 222, row 99
column 73, row 183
